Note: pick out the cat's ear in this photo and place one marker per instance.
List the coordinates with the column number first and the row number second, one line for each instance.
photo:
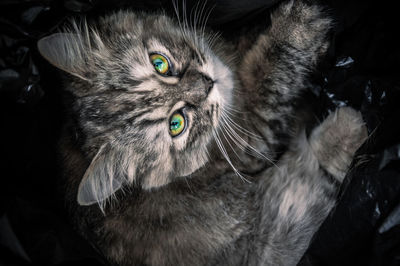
column 66, row 51
column 107, row 173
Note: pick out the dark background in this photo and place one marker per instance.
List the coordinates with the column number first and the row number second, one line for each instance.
column 362, row 70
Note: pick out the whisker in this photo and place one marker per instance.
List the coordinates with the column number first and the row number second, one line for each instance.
column 242, row 143
column 207, row 153
column 227, row 132
column 231, row 108
column 226, row 156
column 193, row 23
column 205, row 19
column 240, row 128
column 187, row 183
column 238, row 144
column 236, row 116
column 184, row 17
column 202, row 23
column 180, row 22
column 214, row 37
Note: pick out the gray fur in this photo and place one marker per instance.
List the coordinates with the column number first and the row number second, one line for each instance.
column 221, row 193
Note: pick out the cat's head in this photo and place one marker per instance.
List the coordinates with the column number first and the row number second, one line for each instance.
column 148, row 97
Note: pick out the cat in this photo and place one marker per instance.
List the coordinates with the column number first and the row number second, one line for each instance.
column 184, row 149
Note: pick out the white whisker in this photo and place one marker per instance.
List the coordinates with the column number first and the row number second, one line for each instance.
column 240, row 128
column 214, row 37
column 181, row 23
column 229, row 107
column 244, row 145
column 202, row 23
column 226, row 156
column 227, row 140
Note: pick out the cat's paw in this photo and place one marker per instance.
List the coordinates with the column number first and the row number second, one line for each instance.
column 335, row 141
column 302, row 25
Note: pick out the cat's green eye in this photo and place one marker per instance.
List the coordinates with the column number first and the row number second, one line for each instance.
column 177, row 124
column 160, row 63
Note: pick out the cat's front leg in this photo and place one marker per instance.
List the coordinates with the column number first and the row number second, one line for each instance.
column 299, row 193
column 274, row 70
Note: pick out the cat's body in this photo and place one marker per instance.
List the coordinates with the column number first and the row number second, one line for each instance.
column 177, row 200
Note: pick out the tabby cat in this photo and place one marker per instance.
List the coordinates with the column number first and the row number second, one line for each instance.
column 184, row 149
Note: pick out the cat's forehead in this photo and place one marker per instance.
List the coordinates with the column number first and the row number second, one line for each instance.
column 155, row 33
column 130, row 39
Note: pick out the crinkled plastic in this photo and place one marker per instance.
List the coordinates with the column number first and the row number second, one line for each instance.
column 364, row 227
column 361, row 70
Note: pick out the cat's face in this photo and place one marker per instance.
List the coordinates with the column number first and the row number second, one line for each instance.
column 148, row 97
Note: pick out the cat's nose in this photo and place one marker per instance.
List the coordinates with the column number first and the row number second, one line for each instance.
column 196, row 87
column 208, row 83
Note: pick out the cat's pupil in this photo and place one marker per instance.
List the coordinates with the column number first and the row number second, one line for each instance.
column 159, row 64
column 174, row 124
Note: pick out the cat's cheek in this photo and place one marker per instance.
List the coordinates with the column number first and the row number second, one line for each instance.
column 179, row 143
column 223, row 80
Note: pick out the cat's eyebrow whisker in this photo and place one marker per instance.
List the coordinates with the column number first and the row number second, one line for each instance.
column 205, row 19
column 176, row 9
column 214, row 37
column 186, row 20
column 202, row 23
column 182, row 21
column 193, row 23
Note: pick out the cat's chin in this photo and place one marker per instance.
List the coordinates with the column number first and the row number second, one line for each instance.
column 189, row 163
column 189, row 172
column 158, row 180
column 197, row 160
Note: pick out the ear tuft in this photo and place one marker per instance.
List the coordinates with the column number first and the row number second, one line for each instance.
column 103, row 178
column 65, row 51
